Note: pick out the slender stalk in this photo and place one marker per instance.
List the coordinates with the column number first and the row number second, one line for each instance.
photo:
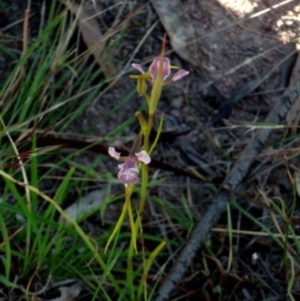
column 156, row 76
column 144, row 187
column 126, row 208
column 142, row 203
column 145, row 175
column 130, row 270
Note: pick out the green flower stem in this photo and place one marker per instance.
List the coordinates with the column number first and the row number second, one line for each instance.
column 129, row 271
column 146, row 129
column 126, row 209
column 147, row 265
column 134, row 230
column 144, row 187
column 148, row 132
column 145, row 176
column 158, row 132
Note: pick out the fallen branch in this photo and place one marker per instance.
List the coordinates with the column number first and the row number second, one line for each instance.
column 233, row 179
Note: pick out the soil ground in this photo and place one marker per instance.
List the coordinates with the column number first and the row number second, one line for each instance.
column 240, row 62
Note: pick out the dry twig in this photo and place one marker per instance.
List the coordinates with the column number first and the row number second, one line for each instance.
column 233, row 179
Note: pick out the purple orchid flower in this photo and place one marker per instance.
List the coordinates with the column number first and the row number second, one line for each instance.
column 166, row 68
column 128, row 171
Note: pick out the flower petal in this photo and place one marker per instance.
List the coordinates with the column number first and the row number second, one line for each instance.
column 124, row 166
column 154, row 67
column 128, row 175
column 179, row 75
column 138, row 67
column 143, row 157
column 113, row 153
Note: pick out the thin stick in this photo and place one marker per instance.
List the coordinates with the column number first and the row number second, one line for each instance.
column 233, row 179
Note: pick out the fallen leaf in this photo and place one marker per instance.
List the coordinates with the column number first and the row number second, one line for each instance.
column 92, row 36
column 181, row 32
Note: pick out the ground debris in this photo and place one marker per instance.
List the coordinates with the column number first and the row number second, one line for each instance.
column 293, row 117
column 91, row 35
column 181, row 31
column 68, row 293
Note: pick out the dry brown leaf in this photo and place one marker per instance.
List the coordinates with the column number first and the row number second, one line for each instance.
column 92, row 36
column 293, row 116
column 180, row 30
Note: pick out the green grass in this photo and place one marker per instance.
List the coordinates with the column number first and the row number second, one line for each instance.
column 50, row 88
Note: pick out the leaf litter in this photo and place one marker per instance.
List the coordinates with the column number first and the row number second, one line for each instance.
column 92, row 35
column 241, row 48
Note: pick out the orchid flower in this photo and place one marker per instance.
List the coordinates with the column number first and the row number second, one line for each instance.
column 166, row 70
column 128, row 171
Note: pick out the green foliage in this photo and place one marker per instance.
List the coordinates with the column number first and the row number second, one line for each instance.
column 49, row 88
